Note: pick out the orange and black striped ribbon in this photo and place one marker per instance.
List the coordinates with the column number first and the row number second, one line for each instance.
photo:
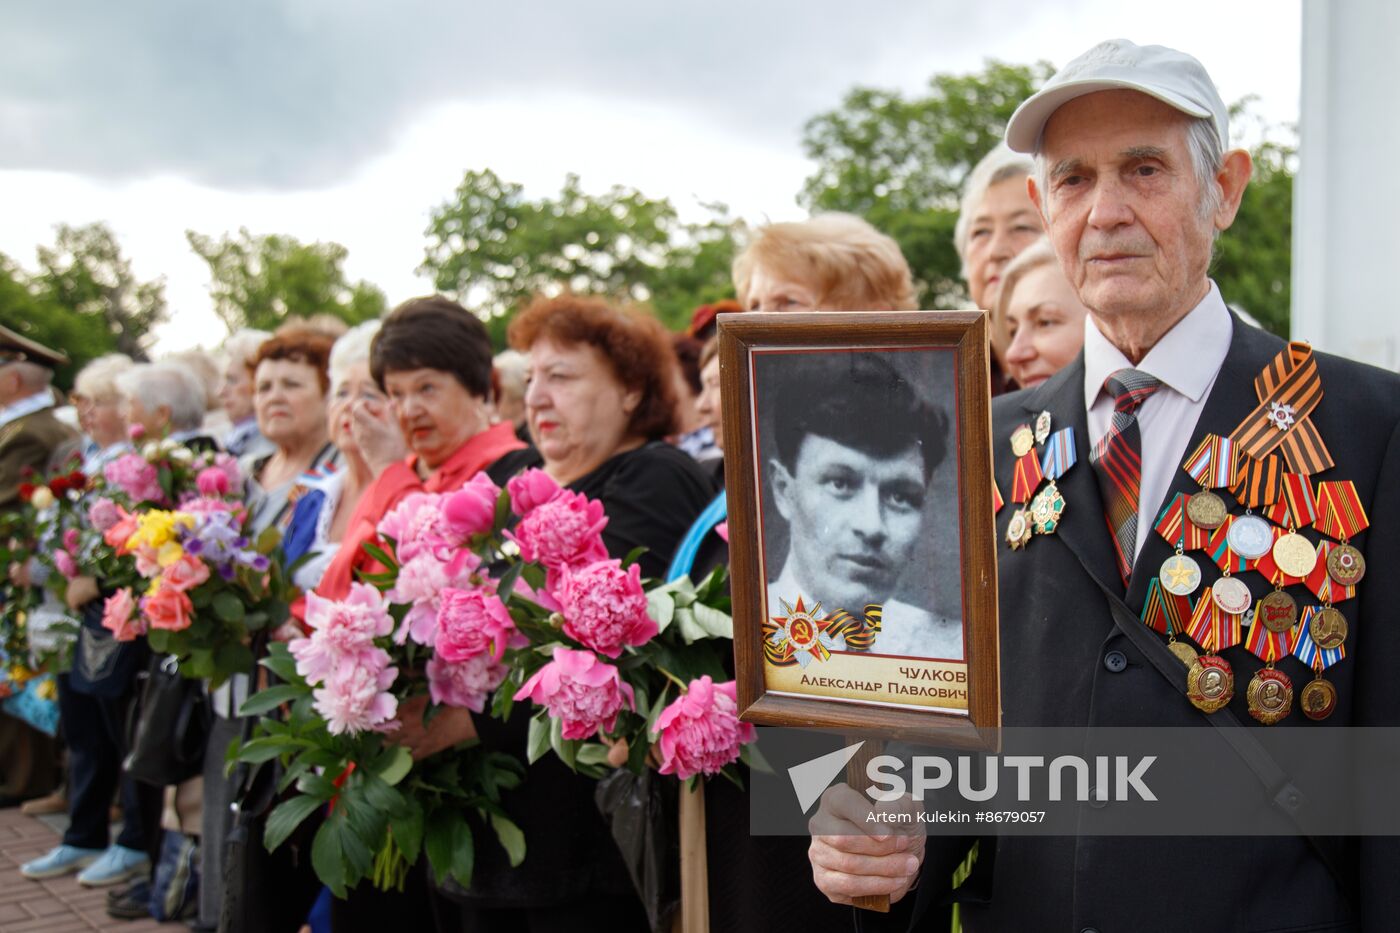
column 1340, row 513
column 1026, row 478
column 1291, row 379
column 1297, row 506
column 859, row 634
column 1259, row 482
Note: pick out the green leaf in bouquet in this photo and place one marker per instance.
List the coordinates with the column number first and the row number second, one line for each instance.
column 506, row 584
column 502, row 515
column 633, row 556
column 510, row 837
column 228, row 607
column 751, row 756
column 380, row 555
column 593, row 754
column 407, row 828
column 201, row 596
column 286, row 817
column 279, row 661
column 268, row 747
column 566, row 749
column 159, row 640
column 393, row 766
column 379, row 795
column 448, row 841
column 661, row 606
column 268, row 541
column 700, row 621
column 201, row 626
column 362, row 831
column 269, row 699
column 535, row 576
column 538, row 738
column 326, row 859
column 233, row 657
column 256, row 620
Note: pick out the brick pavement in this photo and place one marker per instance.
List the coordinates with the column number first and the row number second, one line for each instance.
column 59, row 905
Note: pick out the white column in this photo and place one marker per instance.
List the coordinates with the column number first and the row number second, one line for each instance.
column 1346, row 198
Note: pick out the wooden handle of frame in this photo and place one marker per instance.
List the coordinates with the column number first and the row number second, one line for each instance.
column 855, row 776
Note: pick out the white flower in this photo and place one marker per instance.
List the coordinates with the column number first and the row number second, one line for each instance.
column 182, row 455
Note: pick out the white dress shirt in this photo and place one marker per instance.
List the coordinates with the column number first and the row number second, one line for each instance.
column 26, row 406
column 1186, row 360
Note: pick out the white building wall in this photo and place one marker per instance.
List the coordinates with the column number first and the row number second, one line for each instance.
column 1346, row 206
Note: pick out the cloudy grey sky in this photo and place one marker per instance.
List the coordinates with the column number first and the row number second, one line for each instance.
column 350, row 120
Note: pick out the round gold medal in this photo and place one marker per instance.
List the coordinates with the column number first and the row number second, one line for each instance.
column 1328, row 628
column 1184, row 652
column 1318, row 699
column 1346, row 565
column 1232, row 595
column 1270, row 696
column 1295, row 555
column 1210, row 684
column 1022, row 440
column 1018, row 530
column 1206, row 510
column 1278, row 611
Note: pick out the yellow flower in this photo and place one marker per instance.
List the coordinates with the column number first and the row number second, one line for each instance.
column 42, row 498
column 170, row 553
column 20, row 674
column 156, row 528
column 47, row 690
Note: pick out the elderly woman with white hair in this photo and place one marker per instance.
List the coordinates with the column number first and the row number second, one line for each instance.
column 164, row 400
column 236, row 393
column 996, row 221
column 327, row 499
column 101, row 410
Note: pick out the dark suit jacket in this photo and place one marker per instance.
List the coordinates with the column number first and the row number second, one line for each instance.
column 1056, row 629
column 29, row 442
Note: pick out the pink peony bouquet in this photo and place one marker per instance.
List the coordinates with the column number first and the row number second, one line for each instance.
column 487, row 598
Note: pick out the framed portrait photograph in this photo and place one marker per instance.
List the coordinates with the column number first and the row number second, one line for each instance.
column 859, row 473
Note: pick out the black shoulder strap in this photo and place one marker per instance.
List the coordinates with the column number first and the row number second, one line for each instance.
column 1284, row 794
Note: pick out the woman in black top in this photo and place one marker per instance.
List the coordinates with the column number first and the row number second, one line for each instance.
column 599, row 402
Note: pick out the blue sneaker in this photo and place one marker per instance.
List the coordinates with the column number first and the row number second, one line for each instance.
column 60, row 860
column 115, row 865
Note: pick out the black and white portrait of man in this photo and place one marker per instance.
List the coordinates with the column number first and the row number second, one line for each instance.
column 859, row 501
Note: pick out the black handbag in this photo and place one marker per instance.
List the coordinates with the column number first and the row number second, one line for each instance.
column 265, row 892
column 169, row 727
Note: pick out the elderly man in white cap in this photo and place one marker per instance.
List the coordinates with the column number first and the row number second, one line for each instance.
column 1186, row 420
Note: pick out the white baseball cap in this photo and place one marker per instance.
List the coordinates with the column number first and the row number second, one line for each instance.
column 1172, row 77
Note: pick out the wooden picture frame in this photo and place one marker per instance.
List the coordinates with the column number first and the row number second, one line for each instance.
column 778, row 390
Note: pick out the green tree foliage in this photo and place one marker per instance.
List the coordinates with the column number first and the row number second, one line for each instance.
column 493, row 249
column 1254, row 258
column 257, row 281
column 900, row 162
column 83, row 300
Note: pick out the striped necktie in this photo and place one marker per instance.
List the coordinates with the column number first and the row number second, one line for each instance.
column 1117, row 460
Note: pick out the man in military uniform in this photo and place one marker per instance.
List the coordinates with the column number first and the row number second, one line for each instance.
column 1135, row 178
column 30, row 435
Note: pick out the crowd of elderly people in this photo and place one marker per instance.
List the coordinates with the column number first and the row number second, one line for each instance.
column 334, row 427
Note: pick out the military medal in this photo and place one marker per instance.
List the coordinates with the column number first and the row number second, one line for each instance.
column 1250, row 536
column 1288, row 389
column 1278, row 611
column 1042, row 427
column 1046, row 509
column 1184, row 652
column 1210, row 684
column 1176, row 527
column 1295, row 554
column 1232, row 595
column 1018, row 530
column 1213, row 465
column 1341, row 516
column 1206, row 509
column 1270, row 695
column 1328, row 628
column 1180, row 575
column 1318, row 699
column 1321, row 581
column 1022, row 440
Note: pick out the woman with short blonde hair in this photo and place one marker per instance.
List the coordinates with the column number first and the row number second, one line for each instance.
column 830, row 262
